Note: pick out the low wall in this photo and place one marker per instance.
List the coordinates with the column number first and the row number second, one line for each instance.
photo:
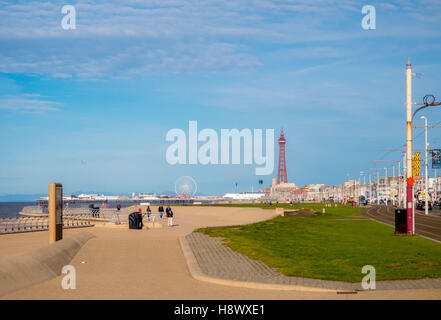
column 40, row 265
column 285, row 212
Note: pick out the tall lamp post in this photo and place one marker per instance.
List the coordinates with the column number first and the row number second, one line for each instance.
column 409, row 193
column 429, row 100
column 353, row 195
column 393, row 189
column 377, row 187
column 393, row 166
column 426, row 195
column 370, row 189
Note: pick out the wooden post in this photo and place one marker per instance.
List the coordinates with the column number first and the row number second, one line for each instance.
column 55, row 212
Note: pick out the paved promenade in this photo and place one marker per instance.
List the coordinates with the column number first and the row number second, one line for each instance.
column 149, row 264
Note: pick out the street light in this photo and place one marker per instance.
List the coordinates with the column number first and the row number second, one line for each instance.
column 378, row 182
column 426, row 204
column 428, row 101
column 393, row 176
column 393, row 189
column 370, row 189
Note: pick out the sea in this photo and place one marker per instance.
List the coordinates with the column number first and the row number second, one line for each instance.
column 11, row 209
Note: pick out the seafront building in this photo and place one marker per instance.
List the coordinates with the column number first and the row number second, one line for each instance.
column 379, row 190
column 244, row 196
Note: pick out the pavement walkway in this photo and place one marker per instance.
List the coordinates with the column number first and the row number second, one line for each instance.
column 149, row 264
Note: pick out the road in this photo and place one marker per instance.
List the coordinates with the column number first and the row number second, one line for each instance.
column 428, row 226
column 435, row 211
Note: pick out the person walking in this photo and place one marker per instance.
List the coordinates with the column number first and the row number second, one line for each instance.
column 170, row 217
column 149, row 212
column 118, row 210
column 161, row 211
column 140, row 215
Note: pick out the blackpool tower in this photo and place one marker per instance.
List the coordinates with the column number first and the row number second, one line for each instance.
column 281, row 173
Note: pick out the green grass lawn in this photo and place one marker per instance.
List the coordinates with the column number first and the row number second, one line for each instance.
column 322, row 247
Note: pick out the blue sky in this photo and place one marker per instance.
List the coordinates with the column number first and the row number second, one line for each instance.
column 91, row 107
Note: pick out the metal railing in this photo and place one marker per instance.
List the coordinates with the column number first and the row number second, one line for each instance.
column 77, row 220
column 29, row 224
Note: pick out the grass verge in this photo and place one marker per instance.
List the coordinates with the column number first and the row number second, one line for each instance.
column 324, row 247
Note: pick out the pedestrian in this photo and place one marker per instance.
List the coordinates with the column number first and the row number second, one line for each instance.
column 140, row 217
column 170, row 217
column 118, row 210
column 149, row 212
column 161, row 211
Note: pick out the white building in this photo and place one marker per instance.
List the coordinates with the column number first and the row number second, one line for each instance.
column 244, row 196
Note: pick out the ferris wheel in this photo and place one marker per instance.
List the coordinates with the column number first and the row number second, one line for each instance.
column 186, row 186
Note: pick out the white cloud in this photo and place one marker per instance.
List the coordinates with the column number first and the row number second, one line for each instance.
column 27, row 103
column 62, row 75
column 173, row 36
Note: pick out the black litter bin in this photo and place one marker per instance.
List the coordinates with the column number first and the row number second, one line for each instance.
column 401, row 221
column 95, row 211
column 135, row 220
